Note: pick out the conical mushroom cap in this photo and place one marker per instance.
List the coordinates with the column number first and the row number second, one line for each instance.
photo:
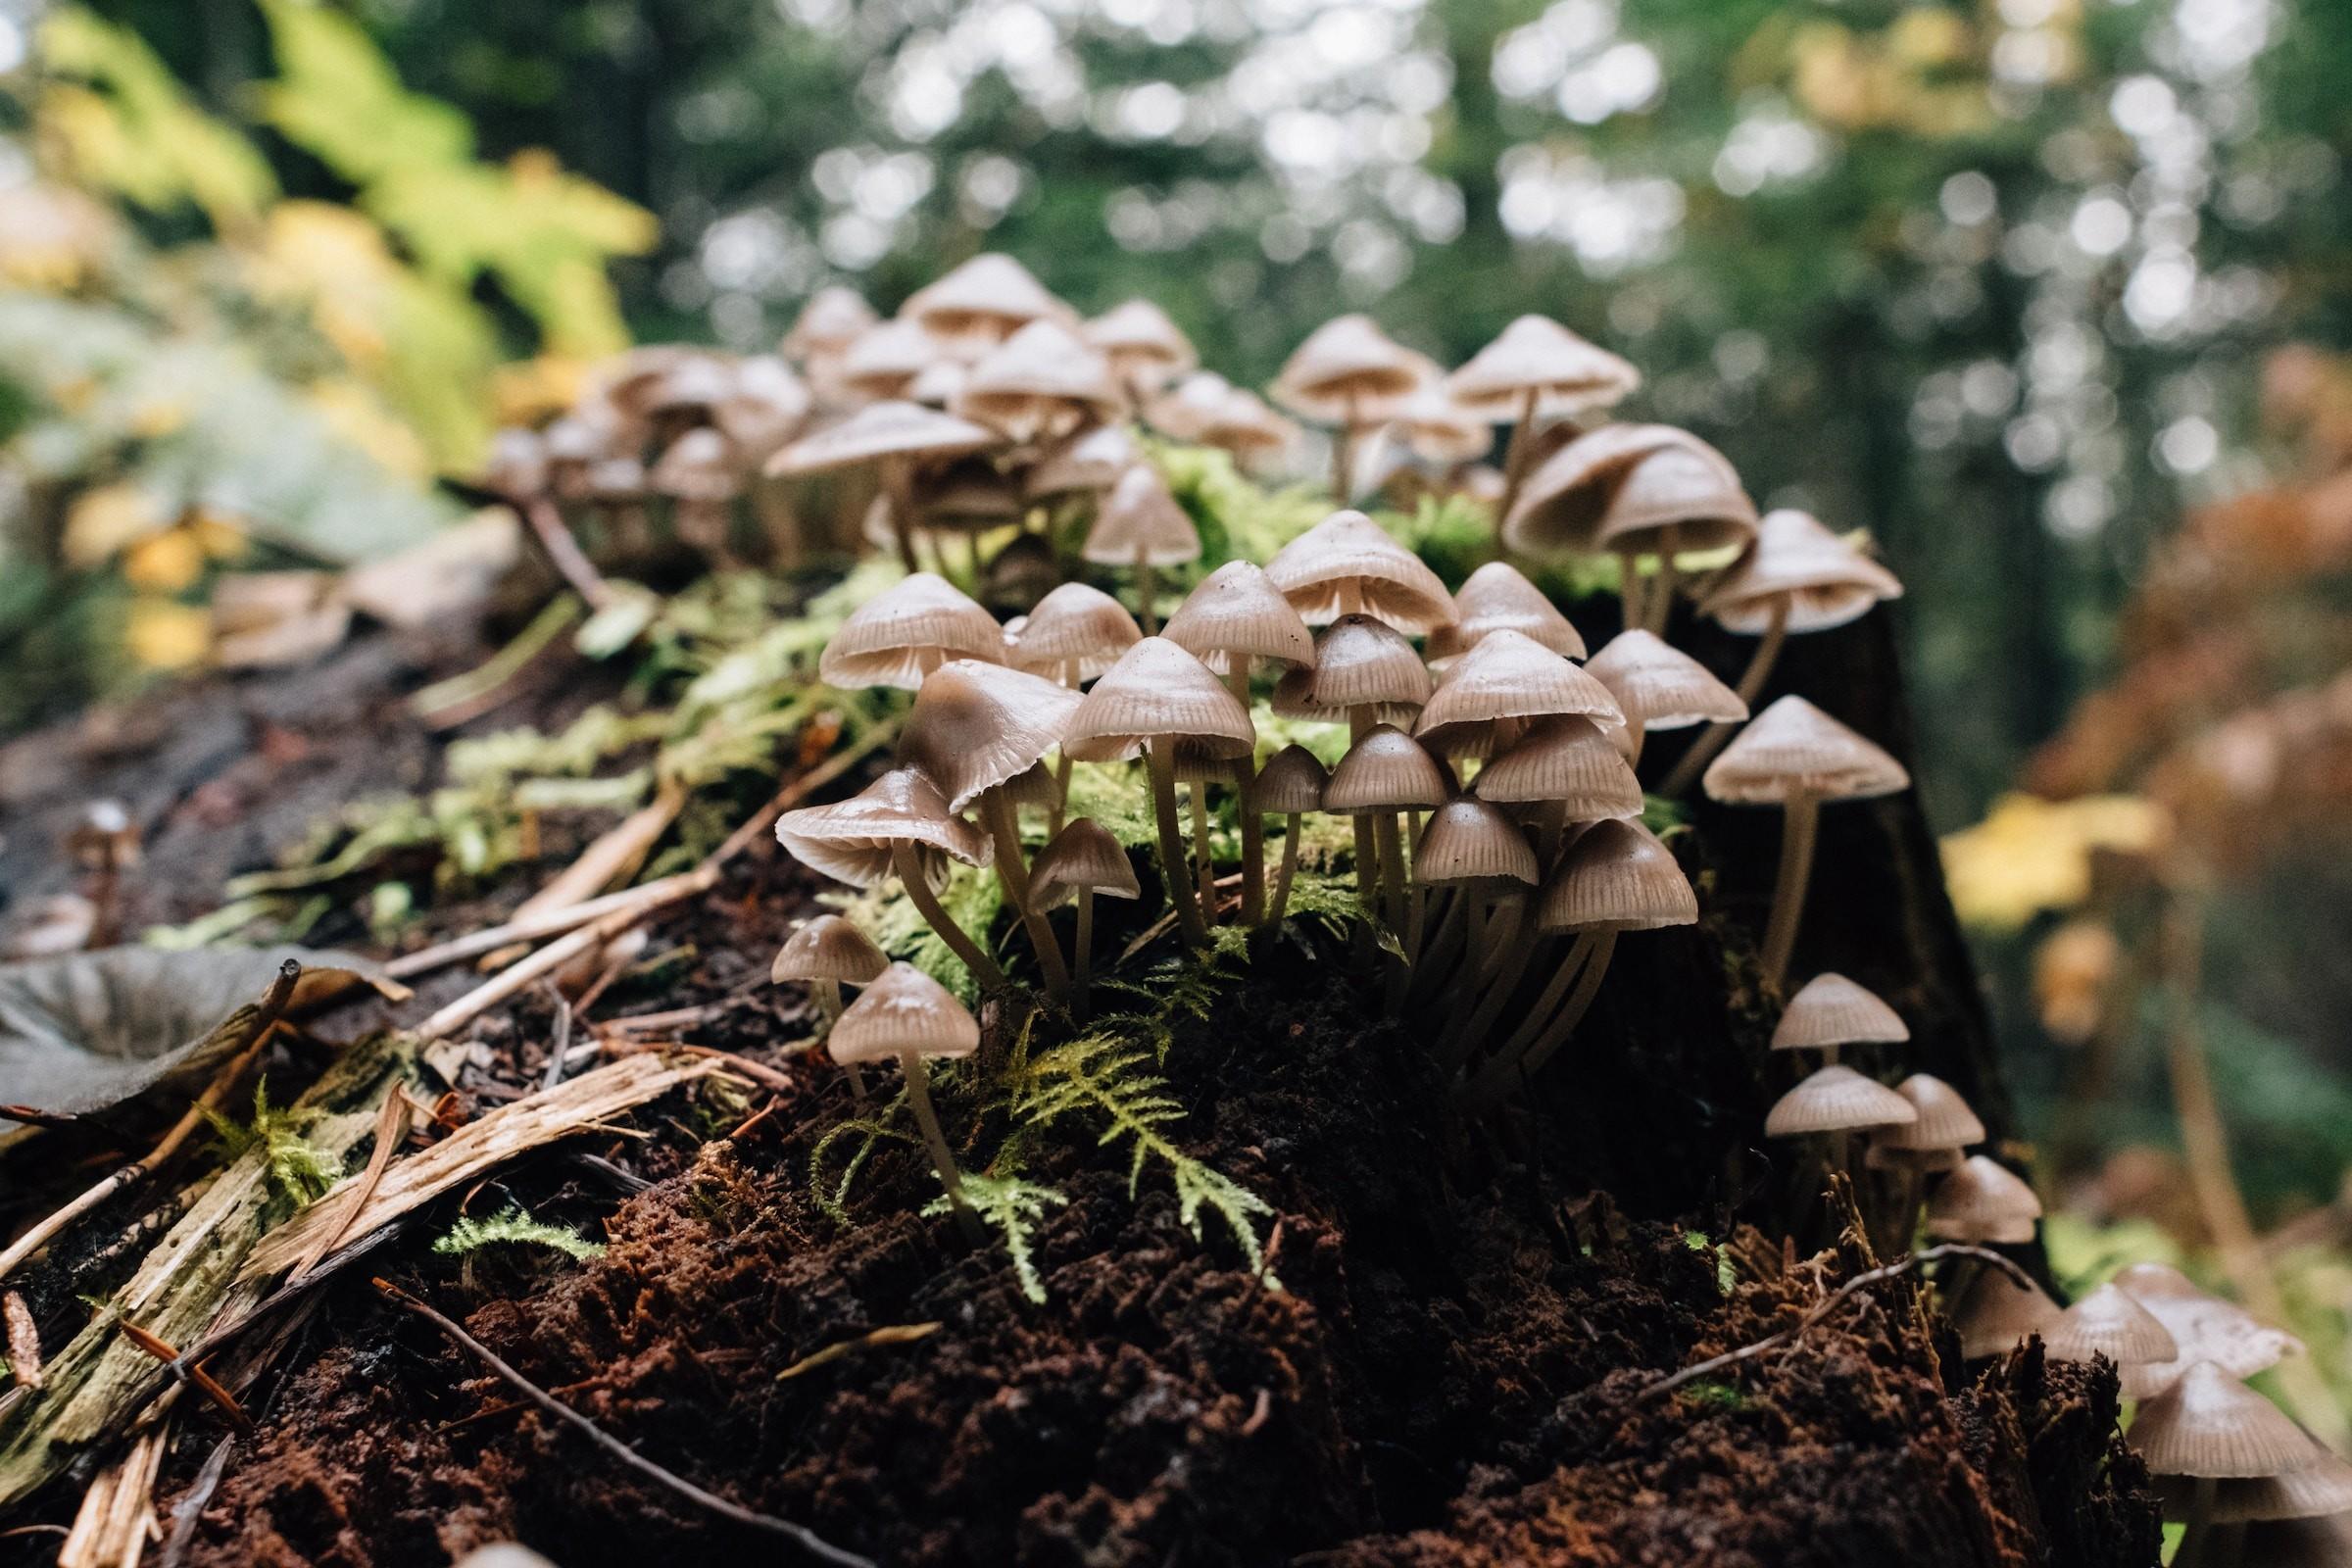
column 1041, row 382
column 1186, row 411
column 1237, row 610
column 1347, row 563
column 1157, row 691
column 2320, row 1490
column 1144, row 348
column 698, row 466
column 1945, row 1120
column 1141, row 523
column 883, row 430
column 1563, row 501
column 1358, row 662
column 2210, row 1424
column 884, row 360
column 1793, row 748
column 967, row 495
column 1469, row 840
column 1385, row 771
column 1033, row 788
column 1497, row 597
column 1837, row 1100
column 1535, row 354
column 1089, row 461
column 903, row 1010
column 828, row 948
column 2206, row 1327
column 1676, row 499
column 1981, row 1201
column 2107, row 1322
column 975, row 726
column 940, row 383
column 1291, row 782
column 1083, row 855
column 1999, row 1314
column 986, row 300
column 1824, row 581
column 1616, row 875
column 851, row 841
column 1347, row 371
column 1240, row 423
column 915, row 623
column 1509, row 677
column 1435, row 427
column 1568, row 761
column 767, row 405
column 829, row 323
column 1829, row 1010
column 1659, row 686
column 1075, row 623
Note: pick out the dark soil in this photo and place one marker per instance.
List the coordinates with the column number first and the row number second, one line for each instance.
column 1453, row 1369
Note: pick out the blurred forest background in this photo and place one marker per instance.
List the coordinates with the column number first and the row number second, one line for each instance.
column 2043, row 293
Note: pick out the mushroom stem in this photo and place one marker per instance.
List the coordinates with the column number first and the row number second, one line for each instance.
column 2194, row 1538
column 1514, row 460
column 1802, row 815
column 1636, row 734
column 828, row 1007
column 898, row 480
column 1506, row 1071
column 1629, row 589
column 1282, row 878
column 1082, row 997
column 1203, row 865
column 1659, row 609
column 1159, row 758
column 1146, row 589
column 1447, row 934
column 1012, row 874
column 1503, row 964
column 959, row 942
column 1751, row 682
column 943, row 1159
column 1552, row 825
column 1253, row 825
column 1530, row 1027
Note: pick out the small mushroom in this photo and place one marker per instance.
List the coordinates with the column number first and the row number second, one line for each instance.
column 1434, row 427
column 1040, row 385
column 1291, row 784
column 1535, row 367
column 908, row 1017
column 1088, row 465
column 1796, row 757
column 1363, row 673
column 1489, row 696
column 105, row 843
column 2209, row 1427
column 1497, row 597
column 883, row 363
column 1829, row 1013
column 1996, row 1314
column 1384, row 774
column 1347, row 565
column 904, row 633
column 1984, row 1203
column 1670, row 501
column 834, row 318
column 1146, row 351
column 1348, row 374
column 1075, row 633
column 2206, row 1327
column 2321, row 1491
column 1141, row 525
column 2108, row 1323
column 698, row 472
column 893, row 438
column 1081, row 860
column 1480, row 855
column 1568, row 770
column 830, row 952
column 1660, row 687
column 1839, row 1102
column 1153, row 698
column 1210, row 410
column 1945, row 1129
column 1570, row 502
column 983, row 302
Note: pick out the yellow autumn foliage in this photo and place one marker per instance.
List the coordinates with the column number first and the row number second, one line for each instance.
column 2030, row 855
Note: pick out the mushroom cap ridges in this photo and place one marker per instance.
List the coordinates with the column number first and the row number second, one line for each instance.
column 1535, row 354
column 1659, row 686
column 1237, row 610
column 2210, row 1424
column 888, row 429
column 1616, row 876
column 1349, row 561
column 1837, row 1100
column 1829, row 1010
column 851, row 841
column 977, row 725
column 1792, row 748
column 1822, row 580
column 828, row 948
column 1083, row 855
column 903, row 1010
column 1157, row 691
column 2107, row 1322
column 915, row 625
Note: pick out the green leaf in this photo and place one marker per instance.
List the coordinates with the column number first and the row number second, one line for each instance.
column 1013, row 1206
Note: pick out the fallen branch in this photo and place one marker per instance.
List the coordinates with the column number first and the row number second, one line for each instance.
column 118, row 1511
column 801, row 1536
column 548, row 923
column 1830, row 1303
column 391, row 1131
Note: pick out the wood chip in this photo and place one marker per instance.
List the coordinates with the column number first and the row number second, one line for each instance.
column 24, row 1341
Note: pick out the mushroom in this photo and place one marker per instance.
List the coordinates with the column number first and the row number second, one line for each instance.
column 1347, row 565
column 1533, row 368
column 830, row 952
column 2108, row 1323
column 105, row 843
column 1567, row 769
column 834, row 318
column 894, row 437
column 1488, row 697
column 1796, row 577
column 1434, row 427
column 898, row 824
column 2206, row 1327
column 1040, row 385
column 1796, row 757
column 1670, row 501
column 1087, row 464
column 983, row 302
column 1475, row 851
column 1141, row 525
column 1385, row 774
column 1569, row 503
column 1233, row 616
column 698, row 472
column 975, row 728
column 2209, row 1427
column 884, row 362
column 766, row 406
column 905, row 632
column 1996, row 1314
column 1155, row 696
column 1021, row 573
column 1075, row 633
column 1497, row 597
column 1081, row 860
column 1839, row 1102
column 968, row 497
column 1291, row 783
column 1982, row 1202
column 2318, row 1492
column 1364, row 673
column 1657, row 686
column 1946, row 1127
column 1616, row 877
column 1146, row 351
column 1348, row 374
column 1210, row 410
column 908, row 1017
column 1829, row 1011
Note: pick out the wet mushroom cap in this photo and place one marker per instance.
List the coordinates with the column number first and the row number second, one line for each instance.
column 1998, row 1314
column 2206, row 1327
column 1385, row 771
column 851, row 841
column 1237, row 610
column 2320, row 1490
column 1141, row 521
column 828, row 948
column 1359, row 661
column 1291, row 783
column 1083, row 855
column 977, row 725
column 1564, row 760
column 1659, row 686
column 1346, row 368
column 1793, row 748
column 1508, row 676
column 1982, row 1201
column 1563, row 502
column 1824, row 581
column 1677, row 490
column 1617, row 876
column 2210, row 1425
column 1157, row 691
column 1349, row 552
column 917, row 621
column 1497, row 597
column 1535, row 354
column 1075, row 621
column 1469, row 840
column 1829, row 1010
column 884, row 430
column 903, row 1010
column 1040, row 375
column 1090, row 462
column 2107, row 1322
column 1945, row 1119
column 1837, row 1100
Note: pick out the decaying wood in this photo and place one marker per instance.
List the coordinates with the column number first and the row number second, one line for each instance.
column 24, row 1340
column 391, row 1129
column 615, row 854
column 478, row 1147
column 117, row 1518
column 550, row 922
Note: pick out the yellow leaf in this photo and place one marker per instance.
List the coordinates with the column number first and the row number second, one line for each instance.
column 1927, row 37
column 535, row 390
column 221, row 537
column 106, row 520
column 162, row 634
column 353, row 412
column 165, row 562
column 2030, row 855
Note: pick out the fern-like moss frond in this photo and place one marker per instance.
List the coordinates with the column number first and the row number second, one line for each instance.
column 516, row 1227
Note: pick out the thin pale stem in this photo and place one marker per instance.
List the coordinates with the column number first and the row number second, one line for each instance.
column 1507, row 950
column 1629, row 589
column 943, row 1159
column 1203, row 865
column 828, row 1006
column 1799, row 825
column 1658, row 606
column 1751, row 685
column 1083, row 996
column 1507, row 1071
column 1514, row 461
column 1012, row 874
column 1254, row 824
column 2196, row 1539
column 898, row 481
column 960, row 941
column 1282, row 878
column 1147, row 591
column 1159, row 758
column 1546, row 1006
